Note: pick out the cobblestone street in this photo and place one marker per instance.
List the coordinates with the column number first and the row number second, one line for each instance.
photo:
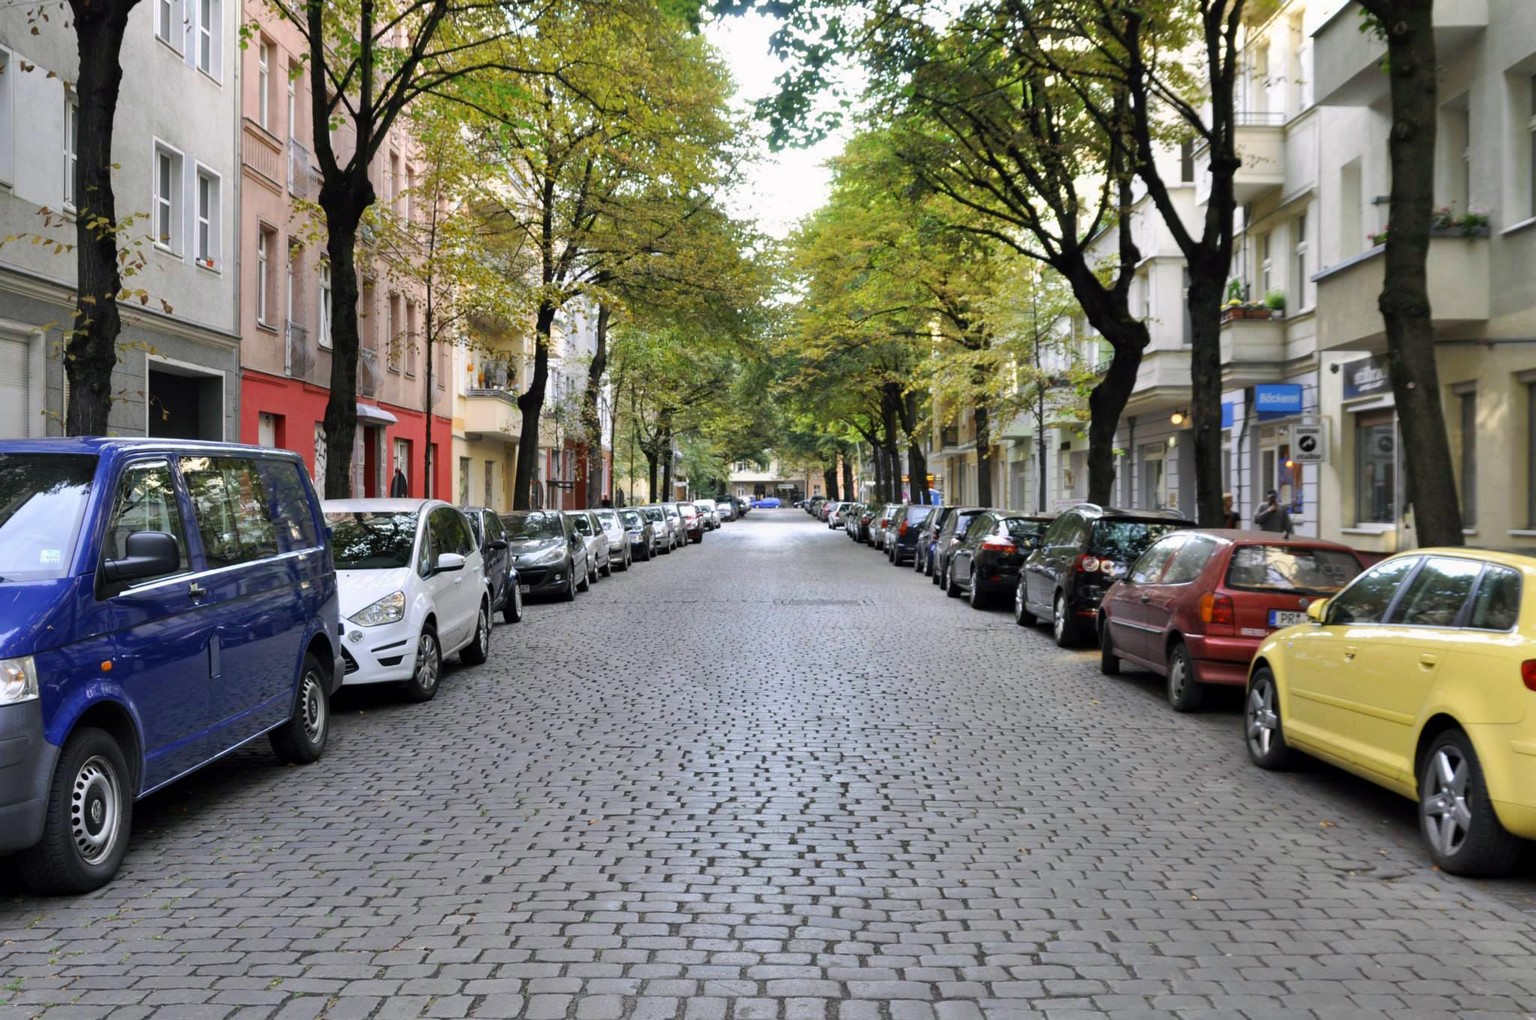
column 774, row 777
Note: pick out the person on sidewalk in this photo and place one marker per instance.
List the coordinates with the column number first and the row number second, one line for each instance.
column 398, row 486
column 1229, row 518
column 1271, row 516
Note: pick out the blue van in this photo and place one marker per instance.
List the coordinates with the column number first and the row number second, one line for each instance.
column 162, row 602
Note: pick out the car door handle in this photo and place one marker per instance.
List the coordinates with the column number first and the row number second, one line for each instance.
column 1428, row 661
column 1146, row 598
column 1349, row 653
column 197, row 591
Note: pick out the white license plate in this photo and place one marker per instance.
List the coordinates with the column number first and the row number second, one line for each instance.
column 523, row 588
column 1285, row 618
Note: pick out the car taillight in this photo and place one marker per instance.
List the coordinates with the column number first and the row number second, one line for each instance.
column 999, row 545
column 901, row 530
column 1087, row 564
column 1218, row 610
column 1528, row 673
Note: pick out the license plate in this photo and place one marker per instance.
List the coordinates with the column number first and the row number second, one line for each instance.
column 1285, row 618
column 523, row 589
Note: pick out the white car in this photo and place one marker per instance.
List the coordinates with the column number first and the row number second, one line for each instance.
column 707, row 511
column 412, row 587
column 618, row 538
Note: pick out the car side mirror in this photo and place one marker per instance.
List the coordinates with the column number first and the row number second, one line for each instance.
column 448, row 561
column 496, row 545
column 1317, row 611
column 146, row 554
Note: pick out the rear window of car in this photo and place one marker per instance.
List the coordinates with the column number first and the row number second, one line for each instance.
column 1123, row 541
column 1288, row 568
column 916, row 514
column 1018, row 528
column 43, row 498
column 582, row 523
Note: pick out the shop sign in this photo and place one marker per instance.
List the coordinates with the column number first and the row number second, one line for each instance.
column 1309, row 443
column 1277, row 399
column 1366, row 377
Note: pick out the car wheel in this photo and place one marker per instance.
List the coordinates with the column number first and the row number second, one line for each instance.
column 302, row 738
column 624, row 563
column 571, row 584
column 1464, row 835
column 607, row 568
column 1063, row 627
column 950, row 587
column 936, row 575
column 512, row 612
column 1185, row 693
column 586, row 576
column 978, row 598
column 89, row 814
column 1261, row 720
column 1109, row 662
column 1021, row 614
column 422, row 686
column 479, row 649
column 917, row 562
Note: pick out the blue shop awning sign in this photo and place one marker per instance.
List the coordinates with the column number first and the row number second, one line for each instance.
column 1228, row 409
column 1275, row 400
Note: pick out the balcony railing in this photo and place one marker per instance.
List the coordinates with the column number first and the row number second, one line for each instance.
column 301, row 177
column 949, row 435
column 368, row 371
column 1259, row 118
column 299, row 357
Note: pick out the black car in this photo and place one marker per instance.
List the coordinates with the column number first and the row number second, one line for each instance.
column 549, row 554
column 1082, row 553
column 987, row 562
column 948, row 540
column 643, row 542
column 905, row 526
column 922, row 556
column 500, row 574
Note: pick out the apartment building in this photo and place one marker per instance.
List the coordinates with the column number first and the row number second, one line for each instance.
column 177, row 184
column 285, row 317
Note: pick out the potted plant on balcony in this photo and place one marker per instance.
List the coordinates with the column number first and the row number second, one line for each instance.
column 1275, row 302
column 1233, row 308
column 1473, row 223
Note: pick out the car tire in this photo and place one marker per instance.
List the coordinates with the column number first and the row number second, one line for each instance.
column 301, row 740
column 1109, row 662
column 1263, row 730
column 917, row 562
column 976, row 596
column 512, row 610
column 422, row 686
column 1021, row 614
column 607, row 568
column 1063, row 628
column 90, row 790
column 479, row 649
column 936, row 575
column 1464, row 834
column 586, row 576
column 1185, row 693
column 572, row 586
column 624, row 560
column 950, row 587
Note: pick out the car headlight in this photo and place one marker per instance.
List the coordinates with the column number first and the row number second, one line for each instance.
column 389, row 609
column 550, row 555
column 18, row 680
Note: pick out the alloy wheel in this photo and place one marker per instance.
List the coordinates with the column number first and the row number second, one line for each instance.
column 1447, row 816
column 1262, row 717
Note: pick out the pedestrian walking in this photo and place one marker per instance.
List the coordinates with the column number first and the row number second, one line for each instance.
column 1271, row 516
column 1229, row 518
column 398, row 486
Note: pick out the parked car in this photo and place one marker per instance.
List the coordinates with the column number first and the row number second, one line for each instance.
column 693, row 522
column 986, row 563
column 1418, row 677
column 676, row 525
column 813, row 505
column 726, row 508
column 1197, row 604
column 766, row 503
column 641, row 534
column 948, row 540
column 706, row 509
column 839, row 515
column 901, row 537
column 130, row 573
column 500, row 574
column 1081, row 554
column 599, row 564
column 608, row 523
column 413, row 590
column 548, row 552
column 863, row 531
column 666, row 531
column 922, row 556
column 881, row 525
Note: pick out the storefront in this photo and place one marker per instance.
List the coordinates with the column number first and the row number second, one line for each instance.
column 1258, row 453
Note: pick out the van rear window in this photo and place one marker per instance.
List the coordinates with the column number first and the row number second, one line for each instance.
column 42, row 502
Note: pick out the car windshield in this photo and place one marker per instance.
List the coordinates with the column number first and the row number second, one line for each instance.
column 372, row 540
column 653, row 513
column 1123, row 541
column 582, row 523
column 632, row 519
column 608, row 518
column 918, row 514
column 42, row 501
column 532, row 525
column 1019, row 527
column 1287, row 568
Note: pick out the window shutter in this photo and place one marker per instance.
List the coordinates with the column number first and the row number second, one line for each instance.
column 15, row 389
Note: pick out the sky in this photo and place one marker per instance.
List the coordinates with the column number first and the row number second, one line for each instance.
column 785, row 186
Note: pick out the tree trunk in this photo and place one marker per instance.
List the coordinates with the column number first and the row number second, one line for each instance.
column 531, row 404
column 877, row 455
column 591, row 419
column 983, row 425
column 1205, row 293
column 1106, row 402
column 1404, row 300
column 342, row 215
column 848, row 490
column 652, row 464
column 890, row 407
column 91, row 344
column 917, row 463
column 666, row 469
column 829, row 480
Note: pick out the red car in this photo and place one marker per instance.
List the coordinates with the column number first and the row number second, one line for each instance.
column 1197, row 604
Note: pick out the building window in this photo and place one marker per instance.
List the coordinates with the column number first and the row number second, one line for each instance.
column 392, row 186
column 1266, row 267
column 7, row 119
column 1299, row 283
column 1187, row 161
column 1375, row 468
column 169, row 27
column 293, row 103
column 410, row 193
column 410, row 338
column 207, row 219
column 1468, row 402
column 167, row 203
column 1531, row 126
column 264, row 85
column 266, row 246
column 392, row 331
column 71, row 148
column 210, row 34
column 324, row 319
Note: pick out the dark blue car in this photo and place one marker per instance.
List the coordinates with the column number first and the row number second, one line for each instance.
column 161, row 603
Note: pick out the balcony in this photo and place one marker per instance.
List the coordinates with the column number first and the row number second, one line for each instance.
column 1346, row 62
column 368, row 372
column 261, row 153
column 491, row 414
column 299, row 355
column 1252, row 351
column 1459, row 292
column 1260, row 144
column 303, row 179
column 1163, row 380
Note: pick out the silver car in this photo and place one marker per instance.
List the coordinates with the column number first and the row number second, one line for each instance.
column 657, row 517
column 726, row 509
column 676, row 525
column 644, row 543
column 585, row 523
column 707, row 510
column 618, row 538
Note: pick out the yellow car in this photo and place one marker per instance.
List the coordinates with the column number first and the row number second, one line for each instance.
column 1419, row 676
